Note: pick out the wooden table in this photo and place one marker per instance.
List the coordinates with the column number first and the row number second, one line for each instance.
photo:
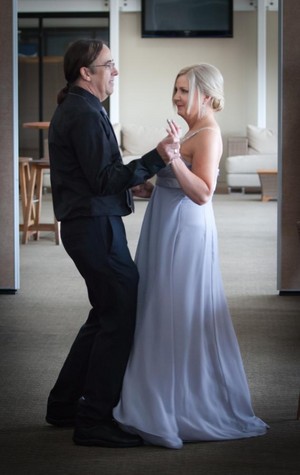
column 36, row 125
column 268, row 181
column 33, row 204
column 41, row 126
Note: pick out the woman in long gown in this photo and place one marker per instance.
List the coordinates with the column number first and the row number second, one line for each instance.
column 185, row 379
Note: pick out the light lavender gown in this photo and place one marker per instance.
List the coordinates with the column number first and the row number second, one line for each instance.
column 185, row 379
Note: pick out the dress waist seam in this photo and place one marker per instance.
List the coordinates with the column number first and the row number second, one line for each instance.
column 167, row 182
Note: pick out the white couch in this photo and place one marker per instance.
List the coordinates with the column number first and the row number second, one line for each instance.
column 247, row 155
column 134, row 141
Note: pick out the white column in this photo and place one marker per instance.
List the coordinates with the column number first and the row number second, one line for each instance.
column 261, row 63
column 114, row 104
column 16, row 144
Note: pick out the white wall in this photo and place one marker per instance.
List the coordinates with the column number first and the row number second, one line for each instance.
column 148, row 68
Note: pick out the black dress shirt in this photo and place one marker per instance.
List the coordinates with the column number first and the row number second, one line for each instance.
column 88, row 177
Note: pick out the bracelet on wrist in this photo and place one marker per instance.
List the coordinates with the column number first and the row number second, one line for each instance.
column 175, row 157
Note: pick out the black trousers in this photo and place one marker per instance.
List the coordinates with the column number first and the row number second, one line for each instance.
column 96, row 363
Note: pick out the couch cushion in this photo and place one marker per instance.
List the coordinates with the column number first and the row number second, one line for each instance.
column 128, row 158
column 243, row 180
column 261, row 140
column 250, row 163
column 117, row 131
column 139, row 139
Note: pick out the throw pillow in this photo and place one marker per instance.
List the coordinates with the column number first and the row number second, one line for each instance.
column 140, row 139
column 261, row 139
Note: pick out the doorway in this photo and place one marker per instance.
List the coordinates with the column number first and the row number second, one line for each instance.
column 42, row 41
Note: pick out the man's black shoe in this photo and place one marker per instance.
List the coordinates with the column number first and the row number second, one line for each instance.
column 60, row 421
column 108, row 434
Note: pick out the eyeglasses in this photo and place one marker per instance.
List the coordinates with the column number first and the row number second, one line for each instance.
column 109, row 65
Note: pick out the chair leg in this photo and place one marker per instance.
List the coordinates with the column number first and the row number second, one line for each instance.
column 57, row 231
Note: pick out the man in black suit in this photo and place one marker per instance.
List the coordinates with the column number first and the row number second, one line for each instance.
column 91, row 193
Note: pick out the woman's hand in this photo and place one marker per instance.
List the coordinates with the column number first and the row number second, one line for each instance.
column 169, row 147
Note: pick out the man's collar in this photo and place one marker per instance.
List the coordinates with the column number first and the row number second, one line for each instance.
column 80, row 91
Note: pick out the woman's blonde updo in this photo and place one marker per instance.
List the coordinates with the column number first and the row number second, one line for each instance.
column 208, row 81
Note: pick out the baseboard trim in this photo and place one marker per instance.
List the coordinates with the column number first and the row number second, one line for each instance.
column 289, row 292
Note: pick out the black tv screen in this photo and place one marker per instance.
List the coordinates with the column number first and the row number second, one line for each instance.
column 187, row 18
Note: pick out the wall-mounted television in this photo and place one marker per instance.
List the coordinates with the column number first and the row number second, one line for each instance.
column 187, row 18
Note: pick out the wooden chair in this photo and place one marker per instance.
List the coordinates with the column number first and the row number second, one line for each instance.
column 31, row 182
column 28, row 205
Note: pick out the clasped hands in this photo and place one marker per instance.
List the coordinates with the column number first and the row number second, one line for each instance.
column 169, row 147
column 169, row 150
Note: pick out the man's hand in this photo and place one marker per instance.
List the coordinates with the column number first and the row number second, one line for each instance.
column 144, row 190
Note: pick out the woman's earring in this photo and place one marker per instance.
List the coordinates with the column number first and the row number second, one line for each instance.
column 203, row 110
